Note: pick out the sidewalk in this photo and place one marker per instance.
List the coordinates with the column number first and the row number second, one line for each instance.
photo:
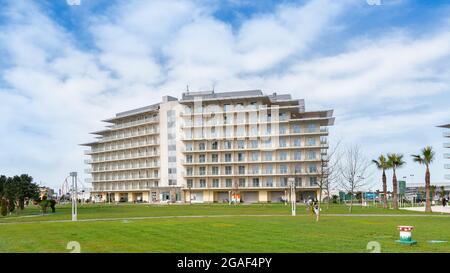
column 433, row 208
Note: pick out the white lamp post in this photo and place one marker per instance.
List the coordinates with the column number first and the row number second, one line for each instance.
column 74, row 196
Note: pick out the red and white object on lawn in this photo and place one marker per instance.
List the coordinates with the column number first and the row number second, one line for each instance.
column 405, row 235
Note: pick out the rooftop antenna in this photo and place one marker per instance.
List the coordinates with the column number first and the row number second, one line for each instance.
column 213, row 87
column 187, row 88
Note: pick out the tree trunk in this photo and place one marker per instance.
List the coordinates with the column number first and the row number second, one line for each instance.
column 427, row 191
column 318, row 207
column 394, row 191
column 351, row 201
column 385, row 204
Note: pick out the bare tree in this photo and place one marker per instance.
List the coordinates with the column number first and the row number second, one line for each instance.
column 353, row 169
column 327, row 174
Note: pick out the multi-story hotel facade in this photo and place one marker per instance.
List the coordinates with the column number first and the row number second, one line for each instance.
column 447, row 145
column 211, row 147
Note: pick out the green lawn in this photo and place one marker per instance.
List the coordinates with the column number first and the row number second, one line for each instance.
column 277, row 233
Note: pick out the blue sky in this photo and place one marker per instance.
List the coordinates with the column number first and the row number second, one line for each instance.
column 383, row 68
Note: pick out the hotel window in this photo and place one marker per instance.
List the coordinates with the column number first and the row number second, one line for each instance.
column 310, row 141
column 226, row 107
column 240, row 131
column 312, row 168
column 283, row 116
column 228, row 183
column 189, row 171
column 215, row 183
column 255, row 182
column 241, row 169
column 189, row 147
column 227, row 157
column 241, row 144
column 172, row 182
column 215, row 158
column 227, row 144
column 254, row 130
column 283, row 155
column 252, row 105
column 229, row 132
column 189, row 183
column 255, row 156
column 228, row 170
column 283, row 129
column 269, row 169
column 202, row 170
column 311, row 155
column 241, row 157
column 283, row 168
column 283, row 142
column 255, row 169
column 202, row 183
column 269, row 182
column 312, row 128
column 298, row 181
column 213, row 132
column 313, row 181
column 189, row 159
column 297, row 168
column 215, row 170
column 214, row 145
column 268, row 129
column 254, row 144
column 202, row 146
column 297, row 155
column 268, row 156
column 242, row 182
column 284, row 182
column 297, row 142
column 296, row 129
column 202, row 158
column 267, row 143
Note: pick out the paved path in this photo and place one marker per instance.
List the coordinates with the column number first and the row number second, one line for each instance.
column 225, row 216
column 433, row 208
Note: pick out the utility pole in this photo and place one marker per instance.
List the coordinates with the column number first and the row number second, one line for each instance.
column 74, row 196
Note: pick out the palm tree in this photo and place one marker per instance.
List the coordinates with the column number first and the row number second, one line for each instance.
column 395, row 161
column 383, row 164
column 426, row 157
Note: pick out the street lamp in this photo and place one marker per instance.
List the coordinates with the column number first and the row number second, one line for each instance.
column 293, row 197
column 74, row 196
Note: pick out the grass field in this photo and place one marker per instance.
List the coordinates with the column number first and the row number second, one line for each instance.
column 243, row 228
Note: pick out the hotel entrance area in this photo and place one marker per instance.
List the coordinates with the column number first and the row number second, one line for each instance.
column 246, row 196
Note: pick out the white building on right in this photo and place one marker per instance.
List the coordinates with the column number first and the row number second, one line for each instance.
column 447, row 145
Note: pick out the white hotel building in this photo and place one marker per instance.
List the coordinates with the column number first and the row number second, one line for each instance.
column 210, row 147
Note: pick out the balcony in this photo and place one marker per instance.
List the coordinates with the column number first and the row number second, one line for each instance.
column 247, row 174
column 447, row 145
column 87, row 161
column 447, row 166
column 124, row 147
column 447, row 176
column 129, row 135
column 124, row 168
column 135, row 123
column 123, row 158
column 88, row 170
column 126, row 178
column 88, row 180
column 446, row 134
column 447, row 155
